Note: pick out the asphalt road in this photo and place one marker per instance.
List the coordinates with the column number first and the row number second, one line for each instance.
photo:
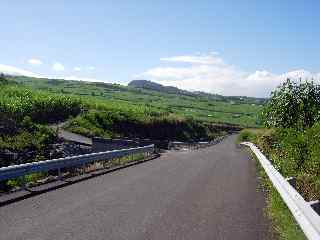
column 203, row 194
column 71, row 136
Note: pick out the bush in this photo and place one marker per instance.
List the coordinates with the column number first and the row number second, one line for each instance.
column 17, row 102
column 293, row 105
column 313, row 139
column 122, row 124
column 295, row 153
column 246, row 136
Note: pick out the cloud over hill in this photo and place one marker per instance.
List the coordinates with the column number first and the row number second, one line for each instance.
column 210, row 73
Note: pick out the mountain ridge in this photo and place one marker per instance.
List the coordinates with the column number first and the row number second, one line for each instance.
column 153, row 86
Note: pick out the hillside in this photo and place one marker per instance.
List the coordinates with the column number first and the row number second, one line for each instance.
column 28, row 107
column 149, row 85
column 157, row 100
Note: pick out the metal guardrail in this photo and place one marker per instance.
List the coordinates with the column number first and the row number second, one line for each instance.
column 58, row 164
column 303, row 212
column 194, row 145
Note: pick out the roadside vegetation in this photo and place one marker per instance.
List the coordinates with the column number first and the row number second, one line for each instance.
column 120, row 124
column 28, row 110
column 291, row 141
column 155, row 102
column 24, row 118
column 29, row 106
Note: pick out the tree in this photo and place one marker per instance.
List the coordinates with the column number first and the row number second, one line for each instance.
column 293, row 105
column 3, row 79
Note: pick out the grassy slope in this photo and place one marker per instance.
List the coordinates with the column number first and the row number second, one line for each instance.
column 28, row 105
column 282, row 219
column 24, row 116
column 239, row 112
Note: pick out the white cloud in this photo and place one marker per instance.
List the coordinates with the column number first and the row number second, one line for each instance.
column 77, row 69
column 10, row 70
column 34, row 61
column 91, row 68
column 210, row 73
column 209, row 59
column 57, row 67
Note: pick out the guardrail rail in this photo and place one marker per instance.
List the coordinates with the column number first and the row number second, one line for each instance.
column 303, row 211
column 20, row 170
column 194, row 145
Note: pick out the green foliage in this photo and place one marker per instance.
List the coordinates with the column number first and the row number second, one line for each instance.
column 293, row 153
column 294, row 109
column 145, row 103
column 293, row 105
column 121, row 124
column 35, row 138
column 246, row 136
column 17, row 102
column 282, row 219
column 31, row 178
column 283, row 222
column 313, row 140
column 3, row 79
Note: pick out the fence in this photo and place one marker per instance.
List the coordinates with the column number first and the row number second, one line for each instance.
column 193, row 145
column 16, row 171
column 304, row 212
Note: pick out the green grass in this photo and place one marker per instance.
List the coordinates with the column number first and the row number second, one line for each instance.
column 26, row 110
column 241, row 111
column 121, row 124
column 280, row 147
column 17, row 102
column 283, row 222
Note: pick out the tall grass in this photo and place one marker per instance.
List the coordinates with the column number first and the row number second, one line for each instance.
column 293, row 153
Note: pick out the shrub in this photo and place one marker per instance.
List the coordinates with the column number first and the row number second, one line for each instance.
column 246, row 136
column 293, row 105
column 17, row 102
column 123, row 124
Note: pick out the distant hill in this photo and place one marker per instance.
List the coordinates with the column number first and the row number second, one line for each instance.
column 145, row 84
column 145, row 98
column 149, row 85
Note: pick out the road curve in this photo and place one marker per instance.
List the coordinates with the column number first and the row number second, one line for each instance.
column 204, row 194
column 69, row 136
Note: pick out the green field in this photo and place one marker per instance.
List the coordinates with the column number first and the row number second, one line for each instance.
column 28, row 106
column 233, row 110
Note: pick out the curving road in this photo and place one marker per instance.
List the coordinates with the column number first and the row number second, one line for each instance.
column 69, row 136
column 204, row 194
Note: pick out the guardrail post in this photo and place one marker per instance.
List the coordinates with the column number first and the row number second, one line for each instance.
column 316, row 206
column 305, row 213
column 292, row 181
column 59, row 174
column 24, row 184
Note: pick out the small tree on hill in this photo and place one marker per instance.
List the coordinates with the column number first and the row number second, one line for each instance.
column 3, row 78
column 293, row 105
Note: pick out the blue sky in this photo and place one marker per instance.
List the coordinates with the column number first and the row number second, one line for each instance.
column 241, row 47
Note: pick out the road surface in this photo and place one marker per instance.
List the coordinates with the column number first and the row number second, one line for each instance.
column 209, row 193
column 69, row 136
